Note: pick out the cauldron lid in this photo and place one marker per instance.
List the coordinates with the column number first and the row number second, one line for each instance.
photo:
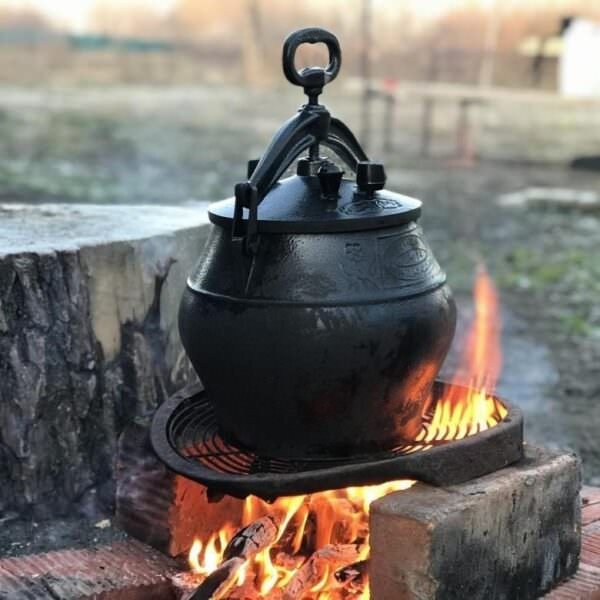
column 317, row 199
column 295, row 205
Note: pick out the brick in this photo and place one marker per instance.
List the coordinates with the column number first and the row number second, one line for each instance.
column 590, row 514
column 590, row 495
column 585, row 585
column 511, row 534
column 160, row 508
column 120, row 571
column 590, row 548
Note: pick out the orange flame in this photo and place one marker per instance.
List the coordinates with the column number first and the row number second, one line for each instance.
column 482, row 354
column 309, row 522
column 466, row 411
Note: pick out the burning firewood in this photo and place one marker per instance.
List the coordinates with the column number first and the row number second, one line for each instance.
column 253, row 538
column 186, row 583
column 243, row 546
column 220, row 582
column 314, row 569
column 247, row 591
column 353, row 576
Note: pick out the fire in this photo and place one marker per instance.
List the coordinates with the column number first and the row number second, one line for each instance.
column 212, row 553
column 315, row 520
column 466, row 411
column 308, row 523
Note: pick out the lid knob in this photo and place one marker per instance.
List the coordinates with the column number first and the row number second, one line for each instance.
column 370, row 177
column 330, row 178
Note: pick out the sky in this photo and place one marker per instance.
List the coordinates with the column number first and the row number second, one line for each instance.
column 74, row 13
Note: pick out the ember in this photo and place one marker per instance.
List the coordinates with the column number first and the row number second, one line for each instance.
column 317, row 546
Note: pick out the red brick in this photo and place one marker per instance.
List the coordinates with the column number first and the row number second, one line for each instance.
column 590, row 514
column 160, row 508
column 590, row 495
column 122, row 571
column 590, row 548
column 585, row 585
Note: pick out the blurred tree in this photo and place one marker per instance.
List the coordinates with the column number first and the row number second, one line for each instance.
column 23, row 18
column 131, row 18
column 217, row 21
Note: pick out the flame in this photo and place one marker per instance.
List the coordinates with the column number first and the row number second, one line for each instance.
column 310, row 522
column 466, row 411
column 339, row 517
column 212, row 552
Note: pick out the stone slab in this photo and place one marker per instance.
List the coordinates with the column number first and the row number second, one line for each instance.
column 557, row 198
column 512, row 534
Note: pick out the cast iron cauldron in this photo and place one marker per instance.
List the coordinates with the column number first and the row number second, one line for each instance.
column 317, row 317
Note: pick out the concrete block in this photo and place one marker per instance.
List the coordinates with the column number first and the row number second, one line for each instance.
column 510, row 535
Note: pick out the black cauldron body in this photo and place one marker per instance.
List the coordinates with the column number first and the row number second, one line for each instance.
column 317, row 317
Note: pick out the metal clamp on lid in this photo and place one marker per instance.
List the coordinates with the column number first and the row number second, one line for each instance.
column 311, row 126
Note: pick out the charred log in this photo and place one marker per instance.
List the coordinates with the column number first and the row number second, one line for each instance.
column 220, row 582
column 253, row 538
column 332, row 556
column 354, row 575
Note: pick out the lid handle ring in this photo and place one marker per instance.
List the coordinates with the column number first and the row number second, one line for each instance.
column 312, row 79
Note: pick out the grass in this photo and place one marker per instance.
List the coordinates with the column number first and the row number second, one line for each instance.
column 554, row 273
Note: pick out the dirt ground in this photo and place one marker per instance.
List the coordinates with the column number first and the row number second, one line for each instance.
column 173, row 146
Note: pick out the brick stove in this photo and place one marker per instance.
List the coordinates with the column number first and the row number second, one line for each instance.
column 511, row 533
column 475, row 540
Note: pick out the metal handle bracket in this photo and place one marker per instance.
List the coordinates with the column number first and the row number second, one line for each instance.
column 311, row 126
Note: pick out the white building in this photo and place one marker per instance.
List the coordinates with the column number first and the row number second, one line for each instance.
column 579, row 75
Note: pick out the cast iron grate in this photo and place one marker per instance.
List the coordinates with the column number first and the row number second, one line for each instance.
column 194, row 432
column 186, row 437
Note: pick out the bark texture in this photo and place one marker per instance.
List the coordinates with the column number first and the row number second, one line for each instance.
column 88, row 343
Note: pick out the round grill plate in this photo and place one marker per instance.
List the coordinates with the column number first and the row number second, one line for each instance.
column 185, row 436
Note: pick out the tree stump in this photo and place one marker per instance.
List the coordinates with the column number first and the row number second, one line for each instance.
column 88, row 339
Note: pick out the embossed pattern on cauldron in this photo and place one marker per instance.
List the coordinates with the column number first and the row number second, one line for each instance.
column 317, row 317
column 332, row 347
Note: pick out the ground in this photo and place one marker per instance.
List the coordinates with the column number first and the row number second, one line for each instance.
column 176, row 145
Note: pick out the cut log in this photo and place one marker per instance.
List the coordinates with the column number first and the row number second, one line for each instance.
column 328, row 558
column 88, row 339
